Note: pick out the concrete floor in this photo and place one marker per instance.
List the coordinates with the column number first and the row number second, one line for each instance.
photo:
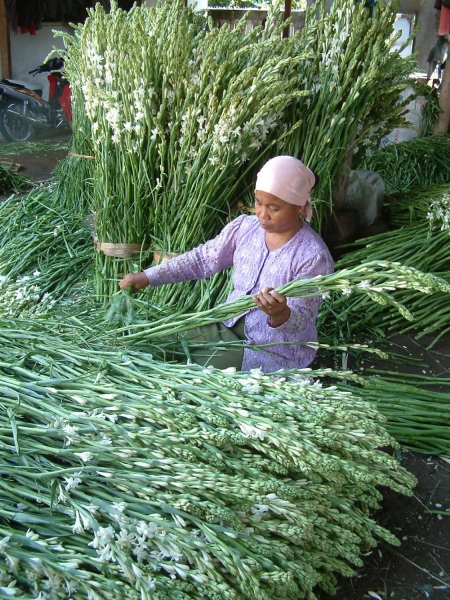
column 39, row 165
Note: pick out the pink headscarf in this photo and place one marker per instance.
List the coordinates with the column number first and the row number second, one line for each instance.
column 289, row 179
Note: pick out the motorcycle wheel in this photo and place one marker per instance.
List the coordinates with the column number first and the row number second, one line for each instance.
column 15, row 129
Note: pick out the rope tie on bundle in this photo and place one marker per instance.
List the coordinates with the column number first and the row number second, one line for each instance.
column 120, row 250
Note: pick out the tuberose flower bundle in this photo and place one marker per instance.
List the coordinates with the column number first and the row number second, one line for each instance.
column 123, row 477
column 126, row 477
column 181, row 119
column 178, row 119
column 40, row 239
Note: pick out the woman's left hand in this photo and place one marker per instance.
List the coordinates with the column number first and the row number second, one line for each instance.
column 274, row 305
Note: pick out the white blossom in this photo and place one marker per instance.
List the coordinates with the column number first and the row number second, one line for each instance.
column 72, row 482
column 10, row 590
column 77, row 527
column 85, row 456
column 140, row 551
column 146, row 530
column 125, row 539
column 252, row 432
column 102, row 537
column 252, row 387
column 4, row 542
column 364, row 284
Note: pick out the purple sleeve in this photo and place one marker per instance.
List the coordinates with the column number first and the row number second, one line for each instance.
column 304, row 310
column 201, row 262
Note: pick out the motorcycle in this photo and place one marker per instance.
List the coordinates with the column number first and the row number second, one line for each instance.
column 23, row 111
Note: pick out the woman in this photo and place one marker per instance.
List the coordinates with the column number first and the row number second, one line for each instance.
column 267, row 250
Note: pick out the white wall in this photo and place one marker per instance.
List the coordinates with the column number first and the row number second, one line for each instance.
column 201, row 4
column 30, row 51
column 404, row 24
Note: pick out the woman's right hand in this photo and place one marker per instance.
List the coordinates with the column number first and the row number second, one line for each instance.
column 137, row 280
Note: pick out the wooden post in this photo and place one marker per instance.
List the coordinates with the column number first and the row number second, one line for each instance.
column 5, row 48
column 287, row 14
column 444, row 104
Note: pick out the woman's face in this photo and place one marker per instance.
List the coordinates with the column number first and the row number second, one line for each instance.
column 276, row 215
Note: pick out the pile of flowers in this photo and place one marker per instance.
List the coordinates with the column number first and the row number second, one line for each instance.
column 179, row 122
column 124, row 478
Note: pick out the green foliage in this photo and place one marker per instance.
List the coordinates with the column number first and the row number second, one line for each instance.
column 430, row 109
column 11, row 181
column 419, row 162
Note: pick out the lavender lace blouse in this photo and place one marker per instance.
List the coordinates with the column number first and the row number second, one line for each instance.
column 241, row 244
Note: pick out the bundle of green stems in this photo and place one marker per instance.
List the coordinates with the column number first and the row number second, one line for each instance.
column 181, row 121
column 417, row 412
column 414, row 206
column 45, row 251
column 415, row 163
column 422, row 245
column 430, row 109
column 11, row 181
column 375, row 280
column 123, row 477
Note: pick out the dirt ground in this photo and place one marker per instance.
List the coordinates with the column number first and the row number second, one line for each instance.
column 420, row 567
column 39, row 165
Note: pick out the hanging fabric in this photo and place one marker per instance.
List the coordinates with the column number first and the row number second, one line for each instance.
column 11, row 12
column 444, row 21
column 444, row 18
column 29, row 16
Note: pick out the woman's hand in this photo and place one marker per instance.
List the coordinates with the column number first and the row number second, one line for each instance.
column 274, row 305
column 137, row 280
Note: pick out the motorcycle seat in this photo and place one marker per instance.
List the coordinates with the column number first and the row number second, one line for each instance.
column 31, row 86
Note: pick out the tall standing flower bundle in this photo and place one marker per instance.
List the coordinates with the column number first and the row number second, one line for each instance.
column 127, row 478
column 178, row 118
column 355, row 76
